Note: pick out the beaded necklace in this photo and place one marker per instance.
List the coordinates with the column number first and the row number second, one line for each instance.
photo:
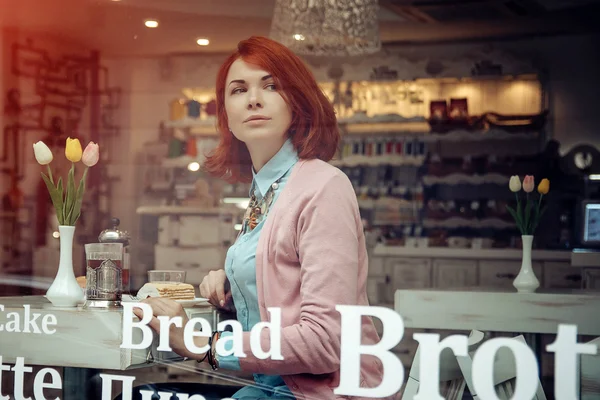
column 256, row 207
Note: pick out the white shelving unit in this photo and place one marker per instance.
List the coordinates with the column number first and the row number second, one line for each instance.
column 191, row 239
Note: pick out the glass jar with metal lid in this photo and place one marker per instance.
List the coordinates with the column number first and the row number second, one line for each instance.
column 115, row 235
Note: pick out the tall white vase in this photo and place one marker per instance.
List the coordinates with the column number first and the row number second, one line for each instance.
column 526, row 281
column 65, row 291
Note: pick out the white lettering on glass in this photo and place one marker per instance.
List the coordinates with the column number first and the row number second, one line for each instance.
column 129, row 325
column 484, row 365
column 274, row 326
column 351, row 349
column 29, row 322
column 236, row 339
column 430, row 349
column 39, row 385
column 566, row 362
column 190, row 333
column 107, row 381
column 165, row 325
column 20, row 369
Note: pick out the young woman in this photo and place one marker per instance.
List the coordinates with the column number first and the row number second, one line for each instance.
column 301, row 248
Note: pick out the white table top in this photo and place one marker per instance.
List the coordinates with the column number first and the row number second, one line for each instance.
column 468, row 253
column 499, row 310
column 83, row 338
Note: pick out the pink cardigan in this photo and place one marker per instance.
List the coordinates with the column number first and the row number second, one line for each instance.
column 311, row 256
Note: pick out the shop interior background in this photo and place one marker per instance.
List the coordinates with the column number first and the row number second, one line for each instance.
column 99, row 70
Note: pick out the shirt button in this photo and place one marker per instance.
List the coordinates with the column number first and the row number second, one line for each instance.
column 295, row 387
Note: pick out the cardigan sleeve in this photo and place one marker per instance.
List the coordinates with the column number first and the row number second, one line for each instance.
column 327, row 240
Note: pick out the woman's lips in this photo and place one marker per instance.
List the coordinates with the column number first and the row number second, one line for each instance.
column 256, row 118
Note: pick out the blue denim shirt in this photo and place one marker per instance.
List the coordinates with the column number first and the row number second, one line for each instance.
column 240, row 268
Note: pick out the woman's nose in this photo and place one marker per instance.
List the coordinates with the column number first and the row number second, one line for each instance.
column 254, row 100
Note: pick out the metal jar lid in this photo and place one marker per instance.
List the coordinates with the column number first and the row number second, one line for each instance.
column 114, row 235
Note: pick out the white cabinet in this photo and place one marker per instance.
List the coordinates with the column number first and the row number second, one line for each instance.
column 191, row 230
column 396, row 273
column 199, row 230
column 454, row 273
column 409, row 273
column 591, row 278
column 197, row 262
column 560, row 275
column 191, row 239
column 501, row 274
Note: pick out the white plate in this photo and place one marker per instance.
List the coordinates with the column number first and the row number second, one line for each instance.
column 189, row 303
column 185, row 303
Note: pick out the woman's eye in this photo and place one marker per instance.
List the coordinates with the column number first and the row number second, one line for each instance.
column 271, row 86
column 237, row 90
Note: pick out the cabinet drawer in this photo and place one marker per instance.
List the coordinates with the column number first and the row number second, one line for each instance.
column 502, row 273
column 591, row 278
column 199, row 230
column 190, row 230
column 454, row 273
column 403, row 273
column 168, row 230
column 560, row 275
column 409, row 273
column 197, row 262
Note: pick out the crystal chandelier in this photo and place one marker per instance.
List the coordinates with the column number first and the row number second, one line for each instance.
column 327, row 27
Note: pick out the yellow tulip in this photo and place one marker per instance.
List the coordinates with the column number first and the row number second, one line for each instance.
column 73, row 150
column 544, row 186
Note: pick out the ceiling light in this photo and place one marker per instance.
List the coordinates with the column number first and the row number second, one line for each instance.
column 298, row 36
column 203, row 42
column 193, row 166
column 151, row 23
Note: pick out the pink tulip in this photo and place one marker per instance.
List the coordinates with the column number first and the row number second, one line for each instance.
column 91, row 154
column 528, row 184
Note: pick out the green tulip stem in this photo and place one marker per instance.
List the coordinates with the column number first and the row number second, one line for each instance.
column 50, row 173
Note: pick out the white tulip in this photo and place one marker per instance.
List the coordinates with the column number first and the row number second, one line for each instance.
column 43, row 155
column 514, row 184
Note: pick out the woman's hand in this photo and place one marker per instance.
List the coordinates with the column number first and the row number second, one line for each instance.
column 215, row 287
column 170, row 308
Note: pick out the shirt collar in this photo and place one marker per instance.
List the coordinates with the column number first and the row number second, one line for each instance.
column 275, row 168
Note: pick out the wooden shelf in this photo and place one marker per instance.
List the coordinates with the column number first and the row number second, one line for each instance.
column 458, row 179
column 168, row 210
column 181, row 161
column 366, row 127
column 195, row 127
column 422, row 131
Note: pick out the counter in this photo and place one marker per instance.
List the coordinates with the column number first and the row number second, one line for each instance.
column 83, row 338
column 84, row 341
column 469, row 254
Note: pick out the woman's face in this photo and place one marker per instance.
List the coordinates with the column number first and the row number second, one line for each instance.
column 255, row 108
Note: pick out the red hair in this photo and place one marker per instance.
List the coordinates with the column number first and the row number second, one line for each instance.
column 313, row 131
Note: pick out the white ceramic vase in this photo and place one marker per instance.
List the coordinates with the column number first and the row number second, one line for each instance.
column 526, row 281
column 65, row 291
